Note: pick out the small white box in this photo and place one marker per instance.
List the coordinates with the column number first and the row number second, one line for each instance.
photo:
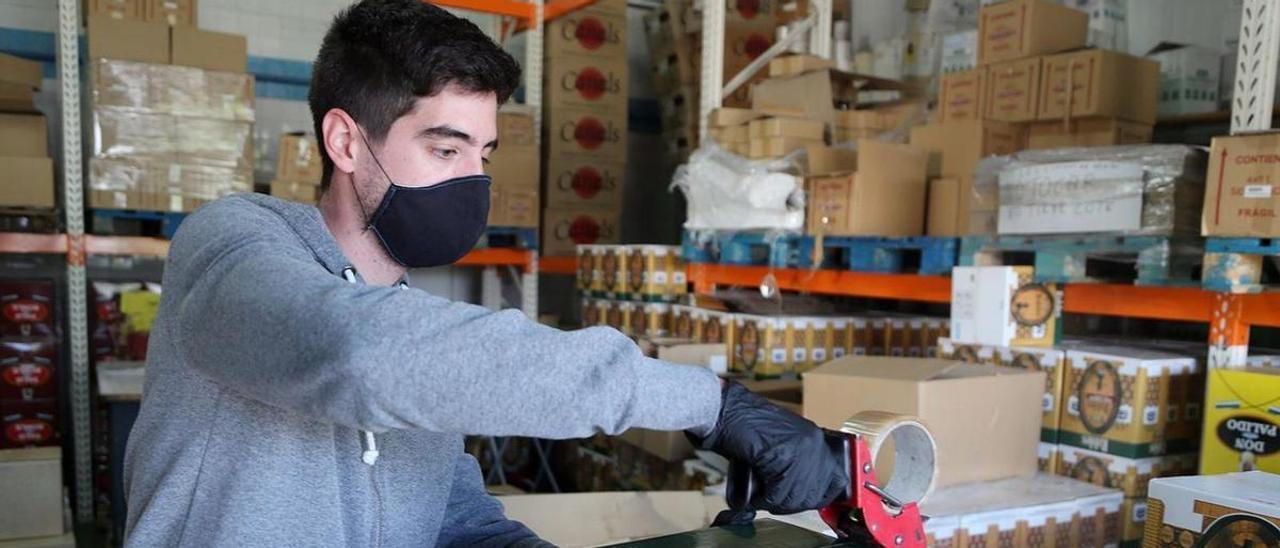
column 1002, row 306
column 1189, row 78
column 1208, row 510
column 960, row 51
column 34, row 477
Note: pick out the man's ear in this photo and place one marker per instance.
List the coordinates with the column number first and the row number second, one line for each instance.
column 340, row 139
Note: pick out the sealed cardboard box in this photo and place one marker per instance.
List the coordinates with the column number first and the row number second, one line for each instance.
column 614, row 271
column 563, row 228
column 515, row 129
column 1242, row 193
column 209, row 50
column 944, row 213
column 825, row 160
column 1026, row 512
column 182, row 13
column 580, row 180
column 24, row 135
column 26, row 181
column 668, row 446
column 959, row 51
column 611, row 517
column 1003, row 306
column 958, row 402
column 17, row 98
column 776, row 147
column 298, row 159
column 889, row 197
column 961, row 96
column 27, row 309
column 1071, row 197
column 1227, row 509
column 726, row 116
column 762, row 346
column 1128, row 475
column 36, row 476
column 115, row 9
column 655, row 273
column 1013, row 90
column 1053, row 363
column 587, row 82
column 514, row 167
column 599, row 135
column 513, row 207
column 587, row 267
column 23, row 73
column 1123, row 401
column 828, row 204
column 28, row 369
column 1241, row 427
column 128, row 40
column 788, row 65
column 1087, row 132
column 799, row 128
column 599, row 30
column 1188, row 78
column 294, row 191
column 1102, row 83
column 961, row 145
column 1025, row 28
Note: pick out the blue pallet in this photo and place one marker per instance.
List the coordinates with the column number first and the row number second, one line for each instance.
column 509, row 237
column 886, row 255
column 1156, row 260
column 168, row 222
column 778, row 250
column 1235, row 265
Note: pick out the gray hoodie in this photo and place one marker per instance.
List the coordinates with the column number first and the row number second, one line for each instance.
column 287, row 406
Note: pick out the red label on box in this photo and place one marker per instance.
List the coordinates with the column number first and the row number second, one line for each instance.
column 26, row 309
column 589, row 132
column 27, row 369
column 28, row 423
column 591, row 32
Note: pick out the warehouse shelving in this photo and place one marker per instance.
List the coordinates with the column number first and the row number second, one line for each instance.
column 567, row 266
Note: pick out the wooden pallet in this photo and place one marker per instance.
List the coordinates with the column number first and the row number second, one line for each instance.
column 1241, row 265
column 509, row 237
column 133, row 222
column 909, row 255
column 775, row 249
column 23, row 219
column 1142, row 260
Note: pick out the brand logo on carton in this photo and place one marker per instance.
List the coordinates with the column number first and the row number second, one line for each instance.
column 1248, row 159
column 711, row 331
column 635, row 271
column 590, row 32
column 749, row 345
column 752, row 45
column 1247, row 434
column 590, row 83
column 1092, row 470
column 683, row 325
column 590, row 313
column 638, row 321
column 26, row 375
column 586, row 181
column 25, row 311
column 1099, row 392
column 583, row 229
column 590, row 133
column 29, row 431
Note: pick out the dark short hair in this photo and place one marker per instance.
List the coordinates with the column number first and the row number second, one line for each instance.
column 379, row 56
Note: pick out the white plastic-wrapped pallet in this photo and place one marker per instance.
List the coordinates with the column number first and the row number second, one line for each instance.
column 725, row 191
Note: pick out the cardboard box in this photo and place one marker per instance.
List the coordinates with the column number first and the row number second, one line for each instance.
column 515, row 130
column 767, row 346
column 599, row 30
column 752, row 13
column 813, row 95
column 959, row 403
column 513, row 207
column 961, row 95
column 594, row 135
column 26, row 181
column 35, row 475
column 1242, row 193
column 1103, row 83
column 788, row 65
column 1189, row 78
column 28, row 423
column 775, row 147
column 1240, row 423
column 889, row 197
column 1214, row 510
column 1071, row 197
column 798, row 128
column 28, row 369
column 115, row 9
column 1126, row 401
column 1128, row 475
column 825, row 160
column 295, row 191
column 17, row 98
column 178, row 13
column 1053, row 363
column 514, row 167
column 209, row 50
column 582, row 182
column 1025, row 512
column 1049, row 456
column 563, row 228
column 1013, row 90
column 24, row 135
column 594, row 519
column 655, row 273
column 957, row 148
column 128, row 40
column 298, row 159
column 27, row 309
column 1087, row 132
column 27, row 74
column 827, row 204
column 1025, row 28
column 727, row 117
column 1003, row 306
column 969, row 353
column 668, row 446
column 587, row 82
column 944, row 214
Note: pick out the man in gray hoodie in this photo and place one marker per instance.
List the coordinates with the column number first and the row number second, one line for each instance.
column 298, row 393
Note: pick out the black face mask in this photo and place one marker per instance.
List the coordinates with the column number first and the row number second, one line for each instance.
column 433, row 225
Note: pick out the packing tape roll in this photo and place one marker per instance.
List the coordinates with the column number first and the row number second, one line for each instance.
column 915, row 462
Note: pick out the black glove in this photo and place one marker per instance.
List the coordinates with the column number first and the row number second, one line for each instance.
column 794, row 466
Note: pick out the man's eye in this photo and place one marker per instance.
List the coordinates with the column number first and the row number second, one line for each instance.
column 446, row 153
column 485, row 160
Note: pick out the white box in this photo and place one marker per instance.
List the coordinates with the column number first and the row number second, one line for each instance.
column 1195, row 507
column 1002, row 306
column 1108, row 22
column 1071, row 197
column 960, row 51
column 33, row 476
column 1189, row 78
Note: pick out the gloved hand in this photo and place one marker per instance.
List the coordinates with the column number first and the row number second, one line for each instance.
column 796, row 469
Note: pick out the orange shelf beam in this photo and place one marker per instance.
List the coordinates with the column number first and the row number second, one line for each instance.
column 1262, row 309
column 1186, row 304
column 497, row 257
column 126, row 245
column 911, row 287
column 21, row 242
column 508, row 8
column 567, row 266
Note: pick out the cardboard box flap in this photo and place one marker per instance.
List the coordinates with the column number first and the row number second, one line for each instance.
column 883, row 367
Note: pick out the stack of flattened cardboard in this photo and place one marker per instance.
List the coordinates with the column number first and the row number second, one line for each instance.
column 585, row 126
column 298, row 169
column 26, row 171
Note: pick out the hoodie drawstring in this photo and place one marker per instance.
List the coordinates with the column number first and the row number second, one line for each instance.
column 368, row 443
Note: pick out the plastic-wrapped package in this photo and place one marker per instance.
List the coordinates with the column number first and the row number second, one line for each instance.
column 728, row 192
column 172, row 89
column 209, row 142
column 121, row 133
column 1150, row 190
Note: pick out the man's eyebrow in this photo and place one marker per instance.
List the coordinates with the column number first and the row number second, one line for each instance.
column 446, row 132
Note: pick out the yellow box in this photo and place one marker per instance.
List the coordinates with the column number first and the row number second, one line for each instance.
column 1128, row 475
column 717, row 327
column 763, row 346
column 618, row 315
column 1240, row 509
column 1118, row 401
column 587, row 270
column 1048, row 457
column 594, row 312
column 686, row 322
column 655, row 273
column 613, row 270
column 1241, row 421
column 1053, row 363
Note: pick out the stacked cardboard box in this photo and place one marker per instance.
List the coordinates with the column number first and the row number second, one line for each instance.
column 170, row 138
column 514, row 168
column 1242, row 193
column 26, row 171
column 171, row 12
column 1241, row 508
column 885, row 196
column 35, row 477
column 28, row 365
column 298, row 169
column 585, row 126
column 784, row 346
